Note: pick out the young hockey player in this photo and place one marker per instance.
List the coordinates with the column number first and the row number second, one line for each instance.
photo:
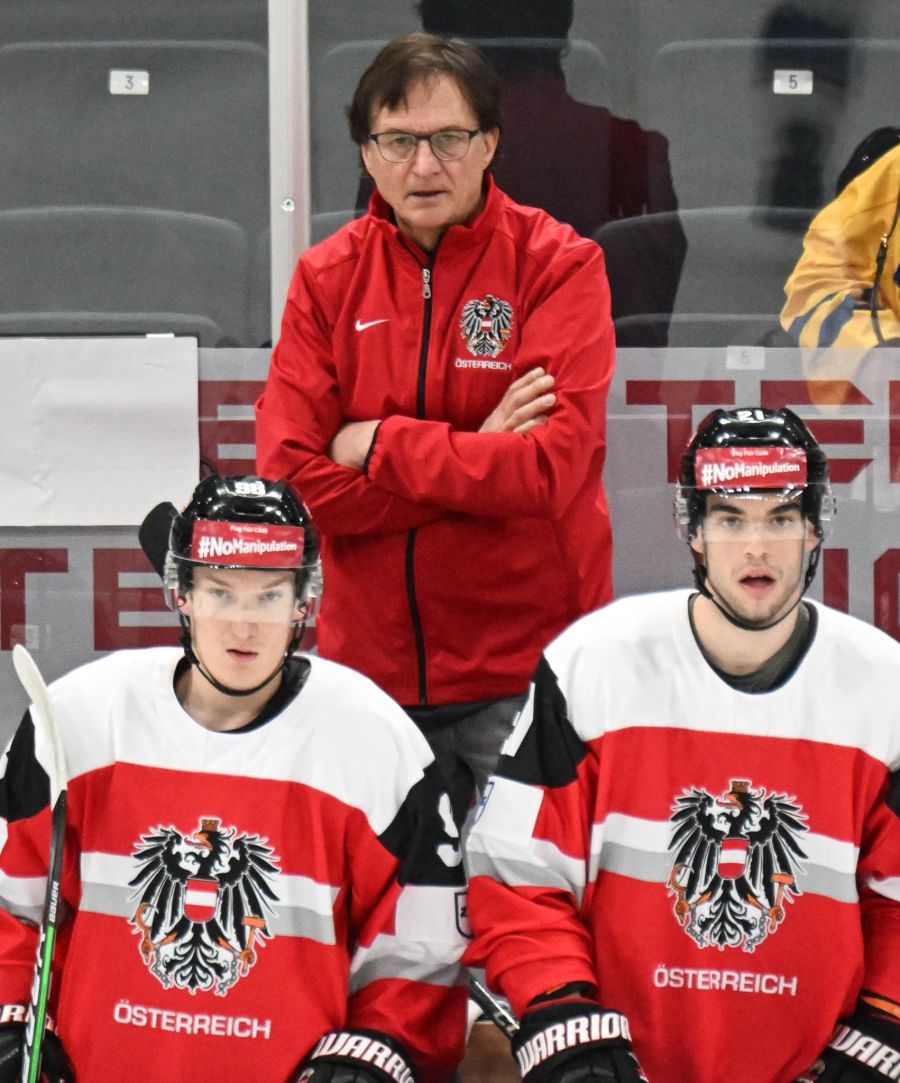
column 262, row 877
column 689, row 858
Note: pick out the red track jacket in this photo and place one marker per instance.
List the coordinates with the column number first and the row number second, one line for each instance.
column 457, row 555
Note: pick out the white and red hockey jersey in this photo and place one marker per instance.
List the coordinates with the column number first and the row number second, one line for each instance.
column 232, row 896
column 724, row 867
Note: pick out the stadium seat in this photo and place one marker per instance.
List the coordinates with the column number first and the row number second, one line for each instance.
column 112, row 270
column 118, row 20
column 731, row 287
column 196, row 143
column 734, row 141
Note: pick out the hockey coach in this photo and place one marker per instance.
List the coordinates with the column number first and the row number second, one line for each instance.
column 438, row 394
column 689, row 856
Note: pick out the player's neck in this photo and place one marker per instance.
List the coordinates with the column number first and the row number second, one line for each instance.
column 214, row 710
column 734, row 650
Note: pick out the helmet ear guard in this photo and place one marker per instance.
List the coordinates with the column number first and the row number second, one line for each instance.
column 686, row 515
column 310, row 593
column 823, row 524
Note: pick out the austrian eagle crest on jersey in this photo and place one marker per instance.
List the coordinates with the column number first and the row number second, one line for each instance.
column 486, row 325
column 736, row 861
column 203, row 902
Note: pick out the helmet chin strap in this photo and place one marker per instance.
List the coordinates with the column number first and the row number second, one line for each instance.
column 700, row 579
column 227, row 690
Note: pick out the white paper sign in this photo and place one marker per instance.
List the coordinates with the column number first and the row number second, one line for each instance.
column 95, row 431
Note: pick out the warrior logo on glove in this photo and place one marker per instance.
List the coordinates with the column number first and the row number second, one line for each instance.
column 737, row 857
column 202, row 904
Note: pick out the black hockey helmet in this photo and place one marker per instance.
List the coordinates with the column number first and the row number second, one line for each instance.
column 244, row 522
column 750, row 451
column 753, row 452
column 241, row 523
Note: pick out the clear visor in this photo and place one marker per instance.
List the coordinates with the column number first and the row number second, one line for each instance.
column 746, row 514
column 245, row 597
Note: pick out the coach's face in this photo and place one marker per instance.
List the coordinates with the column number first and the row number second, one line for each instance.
column 428, row 194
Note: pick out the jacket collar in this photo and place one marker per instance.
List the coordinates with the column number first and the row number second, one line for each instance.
column 457, row 237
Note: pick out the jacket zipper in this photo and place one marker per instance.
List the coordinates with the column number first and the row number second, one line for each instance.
column 418, row 634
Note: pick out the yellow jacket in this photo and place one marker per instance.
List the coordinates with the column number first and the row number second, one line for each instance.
column 828, row 291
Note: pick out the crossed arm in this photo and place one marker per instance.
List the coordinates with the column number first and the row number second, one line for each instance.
column 525, row 404
column 393, row 473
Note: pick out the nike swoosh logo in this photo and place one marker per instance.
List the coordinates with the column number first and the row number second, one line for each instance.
column 360, row 326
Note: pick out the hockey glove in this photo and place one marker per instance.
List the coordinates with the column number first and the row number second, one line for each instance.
column 575, row 1041
column 863, row 1049
column 354, row 1056
column 55, row 1067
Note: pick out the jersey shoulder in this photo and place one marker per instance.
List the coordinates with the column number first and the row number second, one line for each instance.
column 358, row 712
column 101, row 678
column 355, row 743
column 854, row 645
column 628, row 628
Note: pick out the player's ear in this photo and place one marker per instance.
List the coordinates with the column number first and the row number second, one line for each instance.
column 812, row 539
column 697, row 540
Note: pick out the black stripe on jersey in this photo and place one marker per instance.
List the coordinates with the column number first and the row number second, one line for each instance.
column 24, row 787
column 893, row 793
column 425, row 843
column 551, row 750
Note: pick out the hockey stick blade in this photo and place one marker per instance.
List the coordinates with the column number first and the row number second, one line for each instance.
column 495, row 1010
column 45, row 724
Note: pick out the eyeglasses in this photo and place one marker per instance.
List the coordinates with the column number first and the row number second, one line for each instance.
column 448, row 145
